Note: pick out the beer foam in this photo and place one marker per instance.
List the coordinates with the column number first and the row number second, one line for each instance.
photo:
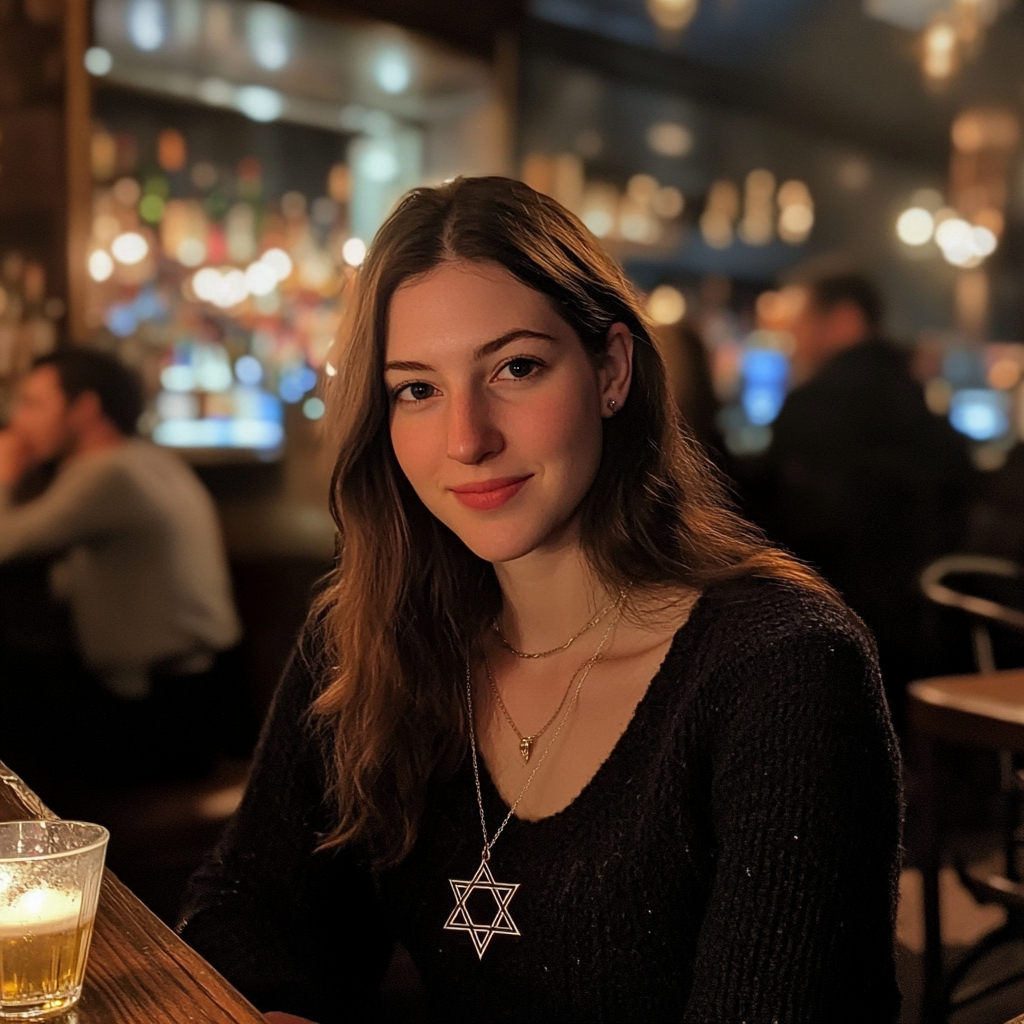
column 40, row 911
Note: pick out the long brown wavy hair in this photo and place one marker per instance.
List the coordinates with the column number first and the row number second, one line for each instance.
column 407, row 599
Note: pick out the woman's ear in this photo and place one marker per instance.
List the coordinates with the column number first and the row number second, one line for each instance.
column 616, row 371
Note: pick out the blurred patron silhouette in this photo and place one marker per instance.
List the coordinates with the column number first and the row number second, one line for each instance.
column 689, row 381
column 861, row 479
column 136, row 558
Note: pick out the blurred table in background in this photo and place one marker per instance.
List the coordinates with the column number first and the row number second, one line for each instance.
column 984, row 710
column 139, row 970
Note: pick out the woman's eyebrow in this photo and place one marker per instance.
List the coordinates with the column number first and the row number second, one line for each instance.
column 487, row 349
column 409, row 366
column 490, row 347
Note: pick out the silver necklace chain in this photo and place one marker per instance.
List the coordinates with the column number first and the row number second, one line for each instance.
column 587, row 666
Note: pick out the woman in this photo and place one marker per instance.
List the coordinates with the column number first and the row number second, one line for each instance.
column 561, row 724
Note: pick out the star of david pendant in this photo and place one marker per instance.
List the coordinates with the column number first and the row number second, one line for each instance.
column 460, row 920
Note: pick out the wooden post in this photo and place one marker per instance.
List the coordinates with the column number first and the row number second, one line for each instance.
column 78, row 138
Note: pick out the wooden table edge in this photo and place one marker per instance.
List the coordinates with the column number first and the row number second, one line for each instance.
column 964, row 709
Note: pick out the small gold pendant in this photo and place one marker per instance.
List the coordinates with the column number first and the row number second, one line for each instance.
column 526, row 748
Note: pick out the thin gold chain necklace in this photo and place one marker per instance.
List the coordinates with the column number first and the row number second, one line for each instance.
column 526, row 742
column 460, row 919
column 568, row 643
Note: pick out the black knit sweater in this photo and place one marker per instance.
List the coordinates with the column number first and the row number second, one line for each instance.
column 733, row 860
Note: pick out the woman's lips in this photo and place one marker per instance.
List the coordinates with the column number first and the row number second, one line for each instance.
column 489, row 494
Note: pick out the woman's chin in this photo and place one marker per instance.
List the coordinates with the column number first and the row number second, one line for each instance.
column 497, row 553
column 499, row 542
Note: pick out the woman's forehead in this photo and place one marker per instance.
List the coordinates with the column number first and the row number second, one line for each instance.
column 465, row 304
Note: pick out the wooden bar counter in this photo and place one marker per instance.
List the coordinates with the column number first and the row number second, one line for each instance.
column 139, row 971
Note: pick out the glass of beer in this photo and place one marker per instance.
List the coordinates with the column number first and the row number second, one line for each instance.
column 50, row 875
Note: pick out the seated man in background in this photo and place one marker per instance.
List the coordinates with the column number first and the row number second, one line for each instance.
column 139, row 560
column 862, row 480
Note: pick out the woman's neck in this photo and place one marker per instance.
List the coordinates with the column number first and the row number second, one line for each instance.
column 547, row 597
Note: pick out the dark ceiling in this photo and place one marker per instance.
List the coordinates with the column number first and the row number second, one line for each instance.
column 821, row 65
column 470, row 25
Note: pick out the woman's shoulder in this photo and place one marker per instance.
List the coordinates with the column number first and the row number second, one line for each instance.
column 754, row 641
column 753, row 614
column 774, row 670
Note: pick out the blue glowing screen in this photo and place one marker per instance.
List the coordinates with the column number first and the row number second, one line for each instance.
column 765, row 372
column 980, row 413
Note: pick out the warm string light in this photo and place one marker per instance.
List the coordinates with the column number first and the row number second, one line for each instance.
column 639, row 214
column 757, row 227
column 101, row 265
column 230, row 286
column 720, row 213
column 915, row 226
column 940, row 50
column 667, row 138
column 962, row 243
column 353, row 252
column 129, row 248
column 672, row 15
column 967, row 228
column 718, row 222
column 666, row 305
column 953, row 34
column 796, row 212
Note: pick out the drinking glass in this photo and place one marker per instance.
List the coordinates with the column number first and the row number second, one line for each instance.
column 50, row 875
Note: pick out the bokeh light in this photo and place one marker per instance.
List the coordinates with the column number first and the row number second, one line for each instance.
column 672, row 15
column 259, row 103
column 147, row 24
column 101, row 266
column 190, row 252
column 313, row 408
column 666, row 138
column 666, row 305
column 98, row 61
column 261, row 278
column 964, row 244
column 248, row 370
column 353, row 252
column 269, row 37
column 391, row 71
column 129, row 248
column 279, row 261
column 915, row 226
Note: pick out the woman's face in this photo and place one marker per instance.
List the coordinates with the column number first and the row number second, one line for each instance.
column 496, row 408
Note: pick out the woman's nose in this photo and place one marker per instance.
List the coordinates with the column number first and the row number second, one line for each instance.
column 472, row 434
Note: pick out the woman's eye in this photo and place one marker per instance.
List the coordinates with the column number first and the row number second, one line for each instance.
column 520, row 368
column 415, row 392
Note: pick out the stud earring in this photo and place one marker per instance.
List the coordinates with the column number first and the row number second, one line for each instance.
column 612, row 405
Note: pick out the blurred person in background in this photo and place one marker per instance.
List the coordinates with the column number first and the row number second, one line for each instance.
column 36, row 633
column 690, row 384
column 137, row 558
column 861, row 479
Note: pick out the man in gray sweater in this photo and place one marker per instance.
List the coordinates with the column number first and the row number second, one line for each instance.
column 138, row 552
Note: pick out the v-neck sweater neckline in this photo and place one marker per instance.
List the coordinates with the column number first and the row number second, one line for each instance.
column 663, row 677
